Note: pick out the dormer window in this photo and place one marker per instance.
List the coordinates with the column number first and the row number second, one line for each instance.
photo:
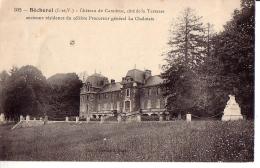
column 128, row 92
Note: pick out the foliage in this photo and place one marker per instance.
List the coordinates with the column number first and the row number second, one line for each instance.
column 25, row 92
column 234, row 48
column 3, row 84
column 203, row 86
column 65, row 95
column 187, row 42
column 188, row 49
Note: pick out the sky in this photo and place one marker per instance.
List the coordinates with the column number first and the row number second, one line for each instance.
column 111, row 48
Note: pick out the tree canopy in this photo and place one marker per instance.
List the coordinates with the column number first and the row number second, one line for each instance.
column 27, row 92
column 203, row 68
column 65, row 95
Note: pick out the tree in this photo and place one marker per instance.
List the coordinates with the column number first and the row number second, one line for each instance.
column 188, row 49
column 65, row 95
column 187, row 42
column 234, row 48
column 25, row 92
column 4, row 76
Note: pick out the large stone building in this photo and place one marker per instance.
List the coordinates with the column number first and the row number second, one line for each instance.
column 138, row 93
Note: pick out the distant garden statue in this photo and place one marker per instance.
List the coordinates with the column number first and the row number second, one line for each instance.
column 232, row 110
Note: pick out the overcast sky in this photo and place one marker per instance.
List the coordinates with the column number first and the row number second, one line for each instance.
column 111, row 48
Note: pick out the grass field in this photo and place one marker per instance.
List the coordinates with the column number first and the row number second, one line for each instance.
column 146, row 141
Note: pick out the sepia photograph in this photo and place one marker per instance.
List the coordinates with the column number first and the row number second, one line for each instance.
column 127, row 81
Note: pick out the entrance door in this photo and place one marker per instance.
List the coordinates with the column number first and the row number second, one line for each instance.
column 127, row 106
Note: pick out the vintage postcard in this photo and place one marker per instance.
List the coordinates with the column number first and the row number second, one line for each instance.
column 127, row 81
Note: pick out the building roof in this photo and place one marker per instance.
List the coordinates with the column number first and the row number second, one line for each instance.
column 136, row 74
column 112, row 87
column 97, row 80
column 154, row 80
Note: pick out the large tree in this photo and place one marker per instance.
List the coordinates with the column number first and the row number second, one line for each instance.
column 227, row 68
column 65, row 95
column 188, row 49
column 26, row 92
column 187, row 41
column 234, row 48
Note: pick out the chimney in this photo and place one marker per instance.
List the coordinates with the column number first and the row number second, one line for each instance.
column 113, row 81
column 147, row 74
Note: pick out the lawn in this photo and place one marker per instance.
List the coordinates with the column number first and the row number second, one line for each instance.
column 145, row 141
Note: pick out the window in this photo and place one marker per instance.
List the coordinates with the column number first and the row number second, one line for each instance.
column 127, row 106
column 88, row 88
column 149, row 91
column 149, row 104
column 112, row 106
column 118, row 106
column 142, row 105
column 87, row 97
column 98, row 107
column 105, row 106
column 128, row 92
column 158, row 103
column 158, row 91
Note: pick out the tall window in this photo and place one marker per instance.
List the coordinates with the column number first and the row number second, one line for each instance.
column 112, row 106
column 118, row 106
column 158, row 103
column 88, row 88
column 158, row 91
column 149, row 91
column 149, row 105
column 99, row 107
column 127, row 106
column 105, row 106
column 142, row 104
column 128, row 92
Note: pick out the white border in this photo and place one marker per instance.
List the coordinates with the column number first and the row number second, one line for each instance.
column 256, row 163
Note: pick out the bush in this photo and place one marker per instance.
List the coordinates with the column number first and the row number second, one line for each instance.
column 149, row 118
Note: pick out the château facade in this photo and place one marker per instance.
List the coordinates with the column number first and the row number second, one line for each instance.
column 138, row 93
